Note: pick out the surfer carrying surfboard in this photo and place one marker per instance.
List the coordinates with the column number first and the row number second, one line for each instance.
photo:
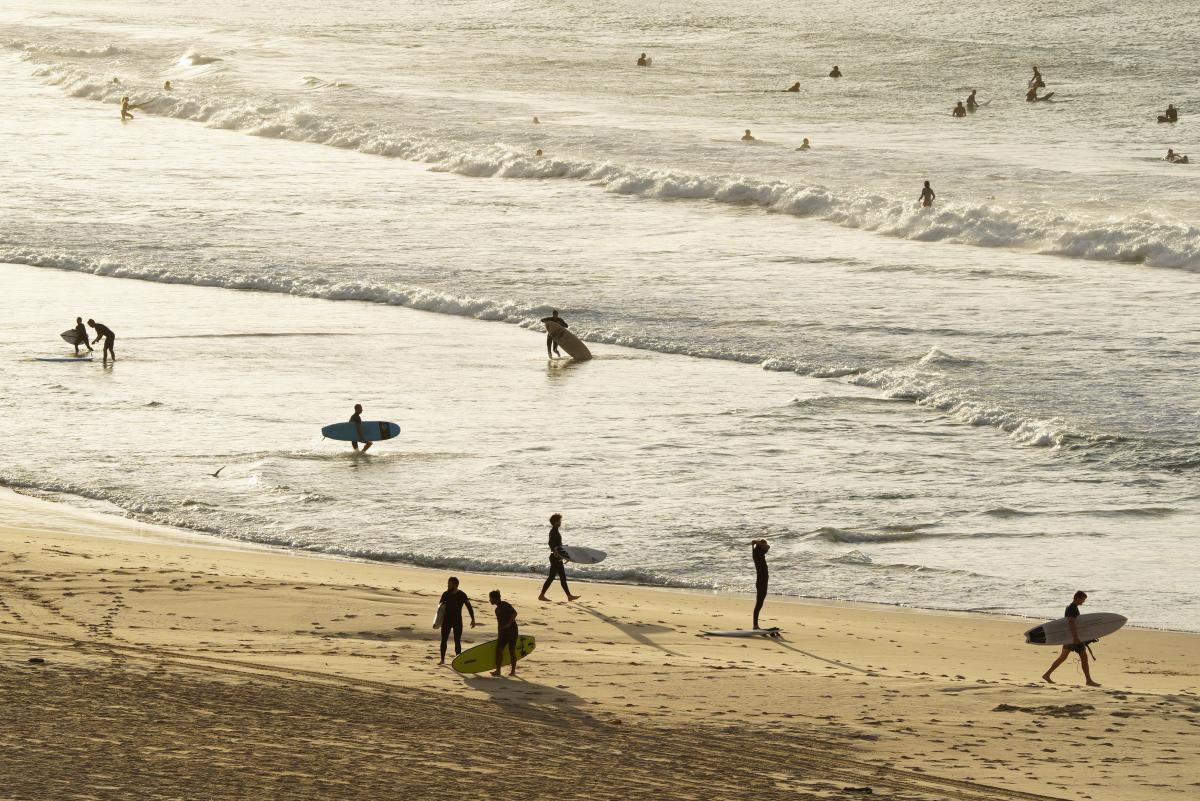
column 557, row 568
column 452, row 603
column 356, row 419
column 758, row 550
column 81, row 336
column 551, row 343
column 506, row 635
column 1075, row 645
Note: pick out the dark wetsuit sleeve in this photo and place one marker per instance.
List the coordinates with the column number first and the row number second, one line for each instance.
column 467, row 603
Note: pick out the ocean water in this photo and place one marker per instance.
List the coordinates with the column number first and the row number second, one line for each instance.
column 980, row 406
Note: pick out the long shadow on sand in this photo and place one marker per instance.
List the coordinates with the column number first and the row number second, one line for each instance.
column 519, row 695
column 633, row 631
column 782, row 643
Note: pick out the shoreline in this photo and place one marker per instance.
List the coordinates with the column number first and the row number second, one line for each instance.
column 164, row 534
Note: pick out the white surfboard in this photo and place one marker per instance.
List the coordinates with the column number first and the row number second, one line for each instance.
column 85, row 358
column 568, row 342
column 440, row 616
column 774, row 631
column 582, row 556
column 69, row 336
column 1090, row 627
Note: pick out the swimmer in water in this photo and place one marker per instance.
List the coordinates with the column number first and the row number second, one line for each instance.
column 804, row 145
column 747, row 137
column 538, row 153
column 536, row 121
column 167, row 86
column 643, row 61
column 835, row 72
column 960, row 110
column 793, row 88
column 971, row 103
column 1176, row 158
column 927, row 196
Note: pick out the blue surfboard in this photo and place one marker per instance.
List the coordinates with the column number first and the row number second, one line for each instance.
column 372, row 431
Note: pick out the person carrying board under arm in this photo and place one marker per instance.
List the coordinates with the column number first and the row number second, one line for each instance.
column 453, row 601
column 356, row 418
column 81, row 336
column 1075, row 645
column 553, row 318
column 557, row 568
column 506, row 635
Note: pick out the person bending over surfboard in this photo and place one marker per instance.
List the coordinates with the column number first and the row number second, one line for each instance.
column 550, row 342
column 453, row 601
column 557, row 569
column 506, row 635
column 356, row 418
column 110, row 339
column 1076, row 646
column 758, row 550
column 81, row 336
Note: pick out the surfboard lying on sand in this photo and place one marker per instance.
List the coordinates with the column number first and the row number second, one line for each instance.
column 1090, row 627
column 774, row 631
column 483, row 657
column 568, row 342
column 372, row 431
column 582, row 556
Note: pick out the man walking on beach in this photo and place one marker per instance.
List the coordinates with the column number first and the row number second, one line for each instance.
column 356, row 418
column 1076, row 646
column 758, row 550
column 81, row 336
column 110, row 339
column 506, row 637
column 453, row 601
column 557, row 569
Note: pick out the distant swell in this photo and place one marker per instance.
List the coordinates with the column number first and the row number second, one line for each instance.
column 1138, row 238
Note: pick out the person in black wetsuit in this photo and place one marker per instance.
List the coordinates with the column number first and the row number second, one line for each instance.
column 557, row 569
column 758, row 550
column 972, row 104
column 110, row 339
column 453, row 601
column 835, row 72
column 1076, row 645
column 81, row 336
column 356, row 418
column 553, row 318
column 506, row 635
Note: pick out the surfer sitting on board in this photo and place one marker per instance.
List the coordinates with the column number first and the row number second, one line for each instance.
column 1076, row 646
column 927, row 196
column 453, row 601
column 1170, row 115
column 758, row 550
column 550, row 343
column 804, row 145
column 110, row 339
column 356, row 418
column 506, row 636
column 643, row 61
column 81, row 336
column 747, row 137
column 835, row 72
column 557, row 569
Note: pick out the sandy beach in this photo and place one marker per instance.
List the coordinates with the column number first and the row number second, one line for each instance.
column 143, row 662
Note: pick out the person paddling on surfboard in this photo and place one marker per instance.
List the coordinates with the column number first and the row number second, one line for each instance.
column 356, row 418
column 110, row 340
column 758, row 550
column 453, row 601
column 550, row 341
column 506, row 636
column 1076, row 645
column 557, row 569
column 81, row 336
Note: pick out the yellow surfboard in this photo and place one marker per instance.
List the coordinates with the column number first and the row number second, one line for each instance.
column 483, row 657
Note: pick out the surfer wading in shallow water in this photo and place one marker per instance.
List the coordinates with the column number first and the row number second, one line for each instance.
column 758, row 550
column 1076, row 645
column 506, row 632
column 551, row 343
column 927, row 196
column 356, row 418
column 453, row 601
column 557, row 568
column 110, row 340
column 81, row 336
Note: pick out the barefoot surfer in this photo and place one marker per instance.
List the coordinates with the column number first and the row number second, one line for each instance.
column 506, row 634
column 927, row 196
column 1076, row 646
column 356, row 418
column 557, row 569
column 81, row 336
column 110, row 339
column 758, row 550
column 550, row 341
column 453, row 601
